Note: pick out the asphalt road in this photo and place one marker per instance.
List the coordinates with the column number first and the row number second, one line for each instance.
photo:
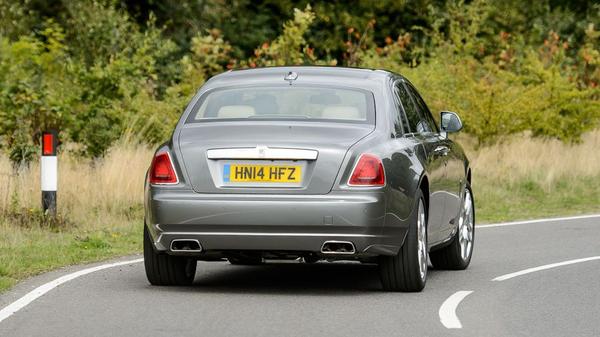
column 340, row 299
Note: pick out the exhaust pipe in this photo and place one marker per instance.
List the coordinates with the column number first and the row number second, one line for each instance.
column 185, row 246
column 338, row 247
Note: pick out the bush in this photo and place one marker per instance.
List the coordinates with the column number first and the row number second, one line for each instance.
column 35, row 92
column 519, row 89
column 290, row 48
column 93, row 96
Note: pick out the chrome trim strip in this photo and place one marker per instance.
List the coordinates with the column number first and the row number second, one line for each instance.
column 271, row 234
column 262, row 152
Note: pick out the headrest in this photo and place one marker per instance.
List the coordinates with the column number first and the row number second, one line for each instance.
column 341, row 112
column 235, row 111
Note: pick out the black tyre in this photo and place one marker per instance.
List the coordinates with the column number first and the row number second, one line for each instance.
column 457, row 255
column 407, row 271
column 166, row 270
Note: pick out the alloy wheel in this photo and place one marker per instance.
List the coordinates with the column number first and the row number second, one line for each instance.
column 466, row 226
column 422, row 240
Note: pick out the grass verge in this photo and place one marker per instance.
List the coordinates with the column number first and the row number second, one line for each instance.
column 25, row 252
column 527, row 199
column 100, row 212
column 527, row 178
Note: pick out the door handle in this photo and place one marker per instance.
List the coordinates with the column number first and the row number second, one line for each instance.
column 441, row 150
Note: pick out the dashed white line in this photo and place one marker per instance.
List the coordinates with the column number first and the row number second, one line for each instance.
column 544, row 267
column 41, row 290
column 448, row 309
column 514, row 223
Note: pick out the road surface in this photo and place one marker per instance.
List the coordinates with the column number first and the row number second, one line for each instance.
column 525, row 279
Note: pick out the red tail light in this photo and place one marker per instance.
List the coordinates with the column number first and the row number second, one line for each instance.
column 162, row 170
column 368, row 172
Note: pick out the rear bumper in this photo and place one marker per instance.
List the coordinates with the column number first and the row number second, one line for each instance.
column 299, row 223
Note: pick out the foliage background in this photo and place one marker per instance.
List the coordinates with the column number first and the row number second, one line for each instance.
column 99, row 70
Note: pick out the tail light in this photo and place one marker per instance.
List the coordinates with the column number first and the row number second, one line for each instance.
column 368, row 172
column 162, row 170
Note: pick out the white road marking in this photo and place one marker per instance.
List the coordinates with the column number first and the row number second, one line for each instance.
column 448, row 309
column 505, row 224
column 43, row 289
column 544, row 267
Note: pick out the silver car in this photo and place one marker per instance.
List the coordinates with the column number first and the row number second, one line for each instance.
column 309, row 164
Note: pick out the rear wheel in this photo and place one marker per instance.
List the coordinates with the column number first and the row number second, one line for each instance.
column 165, row 270
column 407, row 271
column 457, row 255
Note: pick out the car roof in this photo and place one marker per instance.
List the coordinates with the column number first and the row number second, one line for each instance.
column 306, row 74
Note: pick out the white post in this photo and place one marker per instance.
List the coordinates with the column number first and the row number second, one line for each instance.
column 49, row 171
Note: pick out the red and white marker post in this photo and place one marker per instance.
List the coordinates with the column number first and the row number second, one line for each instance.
column 49, row 171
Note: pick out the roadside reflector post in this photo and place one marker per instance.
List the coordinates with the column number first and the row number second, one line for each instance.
column 49, row 171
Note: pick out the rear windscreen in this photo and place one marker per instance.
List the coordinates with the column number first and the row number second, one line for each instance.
column 285, row 102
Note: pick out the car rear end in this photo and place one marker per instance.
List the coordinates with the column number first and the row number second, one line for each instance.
column 261, row 165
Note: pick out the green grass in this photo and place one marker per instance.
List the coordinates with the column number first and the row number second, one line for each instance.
column 528, row 199
column 27, row 251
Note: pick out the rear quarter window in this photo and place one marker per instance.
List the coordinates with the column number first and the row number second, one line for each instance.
column 412, row 115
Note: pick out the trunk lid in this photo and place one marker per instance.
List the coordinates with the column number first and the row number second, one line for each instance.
column 210, row 150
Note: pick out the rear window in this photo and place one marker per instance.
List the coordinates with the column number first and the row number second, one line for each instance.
column 285, row 102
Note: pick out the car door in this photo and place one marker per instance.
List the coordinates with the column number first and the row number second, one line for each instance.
column 421, row 130
column 449, row 186
column 456, row 176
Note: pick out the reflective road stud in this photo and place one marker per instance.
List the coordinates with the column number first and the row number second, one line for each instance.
column 49, row 174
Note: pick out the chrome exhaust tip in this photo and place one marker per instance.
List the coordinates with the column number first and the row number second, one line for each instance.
column 185, row 246
column 338, row 247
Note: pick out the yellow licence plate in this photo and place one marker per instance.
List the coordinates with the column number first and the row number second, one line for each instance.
column 262, row 173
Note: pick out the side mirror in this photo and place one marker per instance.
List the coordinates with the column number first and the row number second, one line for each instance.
column 450, row 122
